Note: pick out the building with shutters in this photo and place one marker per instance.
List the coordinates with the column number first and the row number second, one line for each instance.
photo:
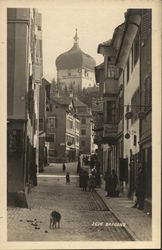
column 125, row 81
column 86, row 143
column 24, row 73
column 62, row 130
column 75, row 69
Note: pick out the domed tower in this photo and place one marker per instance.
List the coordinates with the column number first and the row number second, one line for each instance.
column 75, row 69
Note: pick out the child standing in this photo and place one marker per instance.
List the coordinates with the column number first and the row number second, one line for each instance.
column 67, row 177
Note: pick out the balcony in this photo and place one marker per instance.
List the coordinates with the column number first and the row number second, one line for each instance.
column 111, row 87
column 110, row 133
column 97, row 138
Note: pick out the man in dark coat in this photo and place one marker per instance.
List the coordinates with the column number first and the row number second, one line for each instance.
column 84, row 180
column 108, row 183
column 140, row 188
column 114, row 182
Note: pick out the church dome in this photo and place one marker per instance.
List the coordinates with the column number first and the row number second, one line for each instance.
column 75, row 58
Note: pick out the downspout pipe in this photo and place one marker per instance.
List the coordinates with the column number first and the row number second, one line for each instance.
column 127, row 40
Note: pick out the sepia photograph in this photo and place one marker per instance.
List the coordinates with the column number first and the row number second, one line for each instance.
column 80, row 124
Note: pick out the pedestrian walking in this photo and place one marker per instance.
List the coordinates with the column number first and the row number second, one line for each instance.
column 67, row 178
column 85, row 180
column 108, row 183
column 114, row 182
column 91, row 183
column 63, row 167
column 140, row 188
column 98, row 179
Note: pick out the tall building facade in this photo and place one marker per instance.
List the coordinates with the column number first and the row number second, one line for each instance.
column 24, row 72
column 146, row 101
column 127, row 89
column 86, row 145
column 75, row 69
column 62, row 130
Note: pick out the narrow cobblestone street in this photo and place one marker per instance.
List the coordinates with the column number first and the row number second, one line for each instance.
column 79, row 210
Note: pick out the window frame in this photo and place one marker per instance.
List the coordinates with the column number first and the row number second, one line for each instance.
column 84, row 120
column 111, row 112
column 82, row 131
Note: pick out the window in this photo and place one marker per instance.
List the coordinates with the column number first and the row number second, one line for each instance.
column 83, row 120
column 110, row 72
column 51, row 137
column 148, row 93
column 121, row 107
column 109, row 59
column 83, row 143
column 135, row 102
column 70, row 124
column 41, row 124
column 51, row 124
column 69, row 73
column 136, row 49
column 83, row 132
column 111, row 112
column 70, row 140
column 52, row 144
column 128, row 70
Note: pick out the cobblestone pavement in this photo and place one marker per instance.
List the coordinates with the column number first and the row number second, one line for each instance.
column 138, row 222
column 79, row 211
column 56, row 169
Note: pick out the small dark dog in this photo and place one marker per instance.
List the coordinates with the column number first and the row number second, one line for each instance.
column 55, row 218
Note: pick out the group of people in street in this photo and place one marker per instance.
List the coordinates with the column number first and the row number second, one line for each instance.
column 87, row 180
column 90, row 178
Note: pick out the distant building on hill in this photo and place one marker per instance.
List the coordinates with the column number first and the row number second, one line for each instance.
column 75, row 69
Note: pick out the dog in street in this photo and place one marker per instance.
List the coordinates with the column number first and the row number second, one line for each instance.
column 55, row 219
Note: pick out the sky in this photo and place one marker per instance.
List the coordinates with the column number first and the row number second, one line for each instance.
column 94, row 26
